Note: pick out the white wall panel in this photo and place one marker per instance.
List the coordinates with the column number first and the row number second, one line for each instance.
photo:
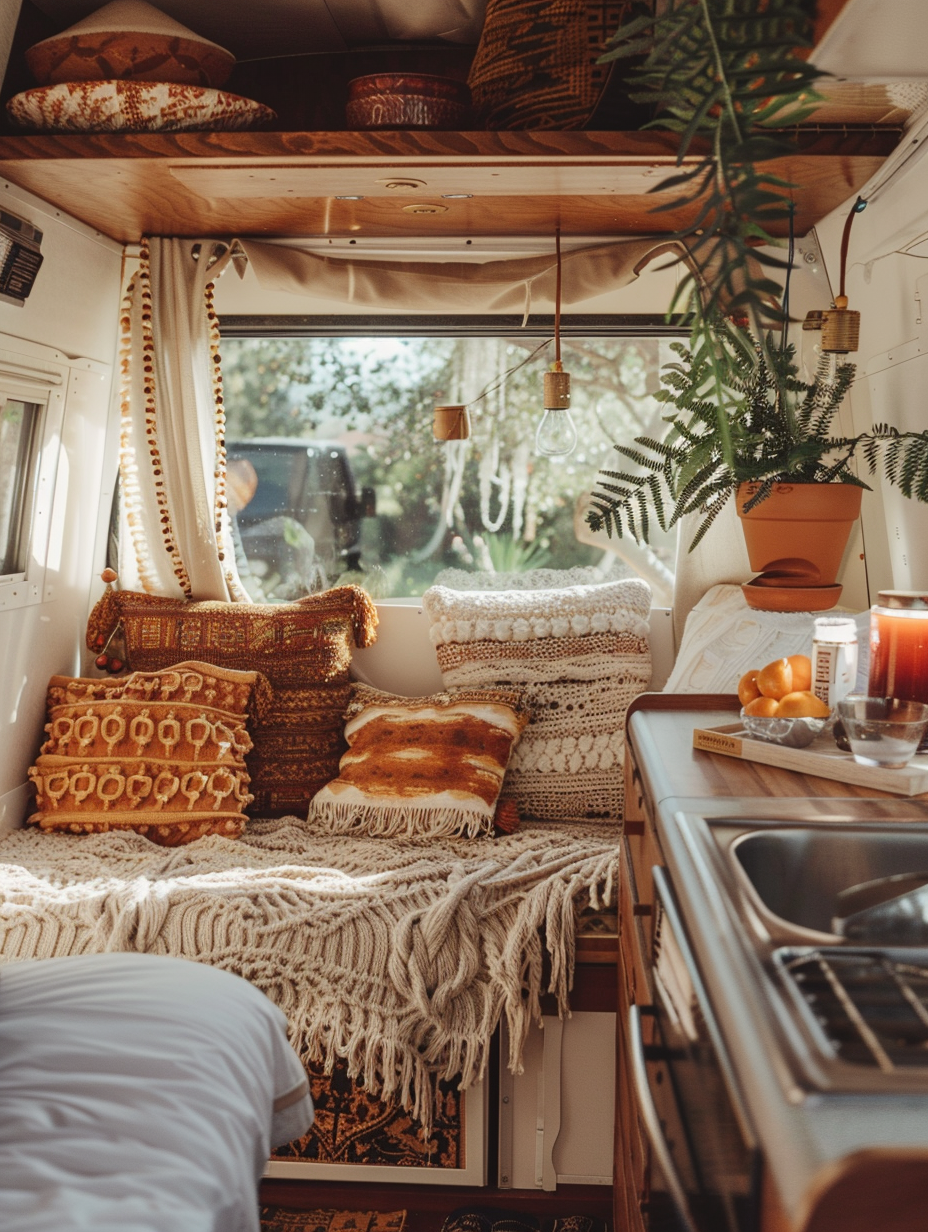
column 68, row 322
column 887, row 283
column 74, row 304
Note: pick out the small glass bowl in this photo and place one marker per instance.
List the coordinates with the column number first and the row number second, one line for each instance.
column 791, row 733
column 883, row 731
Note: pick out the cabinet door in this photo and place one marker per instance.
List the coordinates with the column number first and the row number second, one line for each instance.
column 632, row 1165
column 632, row 1162
column 643, row 848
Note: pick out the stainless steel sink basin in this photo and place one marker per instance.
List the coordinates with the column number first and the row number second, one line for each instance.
column 791, row 876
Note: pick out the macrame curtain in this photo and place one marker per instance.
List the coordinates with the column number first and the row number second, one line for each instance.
column 175, row 533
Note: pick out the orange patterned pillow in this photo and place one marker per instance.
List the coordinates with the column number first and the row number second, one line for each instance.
column 422, row 766
column 161, row 753
column 304, row 650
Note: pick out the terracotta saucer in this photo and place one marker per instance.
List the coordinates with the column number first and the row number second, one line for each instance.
column 766, row 598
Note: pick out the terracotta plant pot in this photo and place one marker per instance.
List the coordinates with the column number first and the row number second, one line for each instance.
column 796, row 540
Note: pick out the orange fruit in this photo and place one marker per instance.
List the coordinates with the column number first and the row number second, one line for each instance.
column 802, row 673
column 802, row 705
column 747, row 687
column 776, row 679
column 763, row 708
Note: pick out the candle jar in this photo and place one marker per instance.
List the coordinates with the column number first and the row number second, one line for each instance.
column 899, row 646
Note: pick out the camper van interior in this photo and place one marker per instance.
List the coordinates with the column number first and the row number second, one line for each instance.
column 387, row 404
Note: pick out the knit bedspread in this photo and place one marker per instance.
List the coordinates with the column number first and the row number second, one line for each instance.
column 397, row 955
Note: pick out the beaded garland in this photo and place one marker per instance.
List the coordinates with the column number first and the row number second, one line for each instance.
column 150, row 512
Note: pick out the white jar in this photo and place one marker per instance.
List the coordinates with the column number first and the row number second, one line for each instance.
column 834, row 658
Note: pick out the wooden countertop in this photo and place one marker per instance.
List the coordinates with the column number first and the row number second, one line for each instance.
column 660, row 727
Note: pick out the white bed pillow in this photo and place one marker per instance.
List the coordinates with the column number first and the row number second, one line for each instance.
column 723, row 638
column 140, row 1093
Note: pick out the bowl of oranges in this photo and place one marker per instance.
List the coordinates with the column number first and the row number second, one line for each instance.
column 778, row 703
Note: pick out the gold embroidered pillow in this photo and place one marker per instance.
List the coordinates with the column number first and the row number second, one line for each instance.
column 304, row 650
column 422, row 766
column 161, row 753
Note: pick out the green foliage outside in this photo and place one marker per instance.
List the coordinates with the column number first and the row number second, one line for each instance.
column 488, row 503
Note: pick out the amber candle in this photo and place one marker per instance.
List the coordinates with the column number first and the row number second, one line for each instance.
column 899, row 646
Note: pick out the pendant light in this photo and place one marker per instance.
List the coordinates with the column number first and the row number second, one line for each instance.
column 840, row 325
column 556, row 435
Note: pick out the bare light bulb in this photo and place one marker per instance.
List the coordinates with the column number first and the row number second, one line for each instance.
column 556, row 434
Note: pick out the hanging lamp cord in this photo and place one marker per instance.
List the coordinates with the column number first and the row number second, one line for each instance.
column 557, row 298
column 857, row 208
column 784, row 330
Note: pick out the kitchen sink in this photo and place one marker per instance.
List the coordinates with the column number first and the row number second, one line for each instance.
column 791, row 876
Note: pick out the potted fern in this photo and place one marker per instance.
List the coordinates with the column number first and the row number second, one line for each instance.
column 779, row 449
column 742, row 424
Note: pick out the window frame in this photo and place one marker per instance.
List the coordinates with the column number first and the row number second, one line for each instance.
column 615, row 325
column 24, row 379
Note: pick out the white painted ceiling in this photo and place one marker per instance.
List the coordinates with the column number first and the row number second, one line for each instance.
column 254, row 29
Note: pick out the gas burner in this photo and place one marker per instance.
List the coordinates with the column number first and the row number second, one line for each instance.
column 872, row 1008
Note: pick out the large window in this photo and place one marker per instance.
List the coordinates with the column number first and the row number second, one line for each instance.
column 334, row 473
column 19, row 440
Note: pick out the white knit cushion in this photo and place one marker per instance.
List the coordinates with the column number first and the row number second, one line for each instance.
column 582, row 654
column 724, row 638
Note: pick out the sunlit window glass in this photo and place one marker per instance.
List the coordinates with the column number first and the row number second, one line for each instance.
column 334, row 474
column 19, row 423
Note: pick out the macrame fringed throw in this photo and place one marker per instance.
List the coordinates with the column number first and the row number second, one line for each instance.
column 400, row 957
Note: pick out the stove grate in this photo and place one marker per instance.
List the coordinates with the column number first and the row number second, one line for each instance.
column 873, row 1009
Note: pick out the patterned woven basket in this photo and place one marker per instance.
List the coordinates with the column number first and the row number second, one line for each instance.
column 536, row 65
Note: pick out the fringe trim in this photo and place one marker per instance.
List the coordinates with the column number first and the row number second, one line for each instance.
column 399, row 820
column 103, row 619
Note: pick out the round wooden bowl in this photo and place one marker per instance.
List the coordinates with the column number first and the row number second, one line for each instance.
column 407, row 100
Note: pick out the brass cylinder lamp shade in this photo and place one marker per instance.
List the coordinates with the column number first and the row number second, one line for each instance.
column 451, row 423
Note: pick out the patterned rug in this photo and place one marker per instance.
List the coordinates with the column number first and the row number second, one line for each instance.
column 491, row 1219
column 279, row 1219
column 352, row 1126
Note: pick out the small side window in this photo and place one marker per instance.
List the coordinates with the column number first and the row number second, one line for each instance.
column 20, row 437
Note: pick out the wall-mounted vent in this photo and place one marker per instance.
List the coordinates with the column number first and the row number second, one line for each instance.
column 20, row 257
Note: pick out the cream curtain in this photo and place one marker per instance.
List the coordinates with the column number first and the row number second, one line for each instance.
column 515, row 285
column 175, row 534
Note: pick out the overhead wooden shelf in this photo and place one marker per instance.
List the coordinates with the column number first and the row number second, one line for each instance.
column 410, row 183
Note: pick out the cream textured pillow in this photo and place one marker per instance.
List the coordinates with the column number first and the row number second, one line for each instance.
column 422, row 766
column 525, row 579
column 581, row 654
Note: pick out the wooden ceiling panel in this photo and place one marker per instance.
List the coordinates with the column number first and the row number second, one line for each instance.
column 289, row 184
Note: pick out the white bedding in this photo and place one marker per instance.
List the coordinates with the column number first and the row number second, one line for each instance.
column 139, row 1093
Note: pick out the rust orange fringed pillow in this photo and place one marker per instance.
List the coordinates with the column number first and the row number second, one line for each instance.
column 161, row 753
column 423, row 766
column 304, row 650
